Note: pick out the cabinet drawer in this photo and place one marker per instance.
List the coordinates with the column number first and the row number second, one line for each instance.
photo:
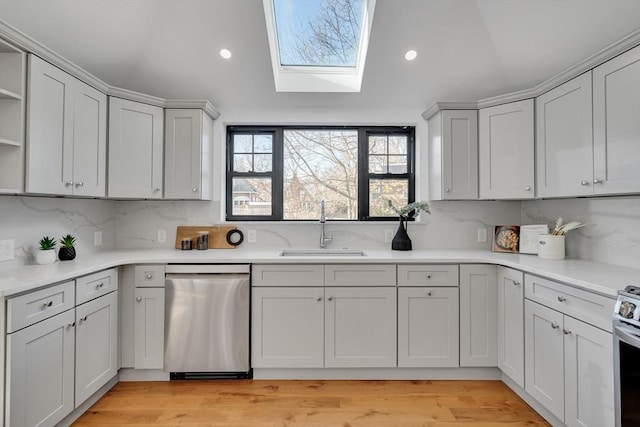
column 583, row 305
column 360, row 275
column 428, row 275
column 288, row 275
column 149, row 276
column 95, row 285
column 35, row 306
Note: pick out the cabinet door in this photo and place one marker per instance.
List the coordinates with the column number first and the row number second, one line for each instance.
column 564, row 148
column 40, row 361
column 287, row 327
column 49, row 129
column 588, row 368
column 544, row 358
column 135, row 149
column 183, row 154
column 460, row 154
column 89, row 141
column 478, row 315
column 428, row 327
column 511, row 324
column 360, row 327
column 96, row 345
column 507, row 151
column 149, row 328
column 616, row 125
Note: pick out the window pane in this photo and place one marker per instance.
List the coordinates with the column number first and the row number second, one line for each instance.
column 242, row 143
column 242, row 162
column 398, row 145
column 377, row 145
column 383, row 190
column 262, row 163
column 377, row 164
column 262, row 143
column 320, row 164
column 252, row 196
column 397, row 164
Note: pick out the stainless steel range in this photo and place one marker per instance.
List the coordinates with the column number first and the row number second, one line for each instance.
column 626, row 347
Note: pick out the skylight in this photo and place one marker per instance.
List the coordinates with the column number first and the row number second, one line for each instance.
column 318, row 45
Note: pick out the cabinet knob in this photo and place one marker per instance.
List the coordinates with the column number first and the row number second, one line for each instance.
column 318, row 298
column 68, row 184
column 84, row 319
column 330, row 299
column 156, row 190
column 584, row 183
column 48, row 304
column 516, row 283
column 598, row 181
column 138, row 299
column 554, row 325
column 561, row 299
column 194, row 189
column 527, row 188
column 429, row 293
column 79, row 184
column 566, row 331
column 72, row 324
column 149, row 276
column 447, row 190
column 428, row 275
column 99, row 285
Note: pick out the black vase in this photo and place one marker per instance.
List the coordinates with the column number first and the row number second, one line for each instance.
column 66, row 254
column 401, row 241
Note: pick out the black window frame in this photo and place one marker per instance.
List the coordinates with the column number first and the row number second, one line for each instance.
column 277, row 173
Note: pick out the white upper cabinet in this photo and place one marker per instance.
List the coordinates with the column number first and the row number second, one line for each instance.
column 616, row 125
column 453, row 155
column 506, row 151
column 188, row 154
column 66, row 133
column 135, row 150
column 564, row 140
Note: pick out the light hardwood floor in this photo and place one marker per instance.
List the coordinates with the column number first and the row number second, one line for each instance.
column 262, row 403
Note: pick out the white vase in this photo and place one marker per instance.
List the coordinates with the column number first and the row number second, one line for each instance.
column 550, row 246
column 46, row 257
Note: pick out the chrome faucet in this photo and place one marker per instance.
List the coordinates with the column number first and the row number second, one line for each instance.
column 323, row 240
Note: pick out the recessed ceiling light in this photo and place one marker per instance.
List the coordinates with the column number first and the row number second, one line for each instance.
column 225, row 53
column 410, row 55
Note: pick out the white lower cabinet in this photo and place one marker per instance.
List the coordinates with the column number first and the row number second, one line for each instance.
column 569, row 367
column 511, row 324
column 149, row 328
column 428, row 333
column 360, row 327
column 96, row 345
column 478, row 315
column 287, row 327
column 40, row 366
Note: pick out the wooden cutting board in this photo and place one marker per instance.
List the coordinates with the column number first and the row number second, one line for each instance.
column 217, row 235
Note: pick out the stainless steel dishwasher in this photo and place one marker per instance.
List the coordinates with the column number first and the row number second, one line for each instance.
column 207, row 321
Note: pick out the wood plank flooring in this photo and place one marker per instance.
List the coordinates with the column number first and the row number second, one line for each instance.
column 268, row 403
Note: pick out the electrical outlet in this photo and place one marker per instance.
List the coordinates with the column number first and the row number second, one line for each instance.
column 7, row 249
column 251, row 236
column 162, row 236
column 97, row 238
column 482, row 234
column 388, row 235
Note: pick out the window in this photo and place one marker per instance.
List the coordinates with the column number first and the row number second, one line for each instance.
column 282, row 173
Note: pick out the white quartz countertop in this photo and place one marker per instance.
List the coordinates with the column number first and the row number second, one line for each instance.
column 605, row 279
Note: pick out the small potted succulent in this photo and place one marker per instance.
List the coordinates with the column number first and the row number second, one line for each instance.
column 47, row 252
column 67, row 252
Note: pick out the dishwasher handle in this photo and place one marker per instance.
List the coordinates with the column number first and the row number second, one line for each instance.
column 207, row 268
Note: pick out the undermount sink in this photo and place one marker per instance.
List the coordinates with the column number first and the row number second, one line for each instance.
column 322, row 252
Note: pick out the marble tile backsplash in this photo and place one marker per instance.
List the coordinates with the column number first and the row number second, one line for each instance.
column 27, row 219
column 612, row 235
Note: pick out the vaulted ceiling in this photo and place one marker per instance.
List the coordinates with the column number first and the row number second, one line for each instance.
column 467, row 49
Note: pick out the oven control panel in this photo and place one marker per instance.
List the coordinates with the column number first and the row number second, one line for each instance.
column 627, row 308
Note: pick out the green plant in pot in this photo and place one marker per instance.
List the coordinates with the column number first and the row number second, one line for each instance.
column 47, row 252
column 67, row 252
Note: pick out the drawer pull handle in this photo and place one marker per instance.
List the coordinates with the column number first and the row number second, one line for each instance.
column 149, row 276
column 48, row 304
column 554, row 325
column 138, row 299
column 566, row 331
column 101, row 284
column 561, row 299
column 318, row 299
